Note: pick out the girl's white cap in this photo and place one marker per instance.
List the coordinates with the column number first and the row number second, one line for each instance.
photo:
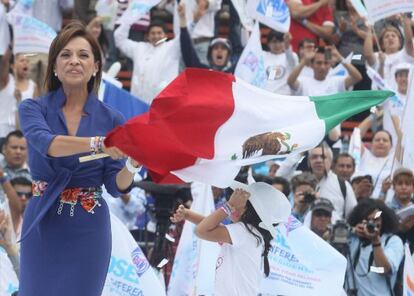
column 270, row 204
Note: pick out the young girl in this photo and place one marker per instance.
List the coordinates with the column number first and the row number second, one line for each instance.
column 254, row 211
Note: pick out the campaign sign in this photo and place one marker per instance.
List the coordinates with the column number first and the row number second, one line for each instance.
column 129, row 272
column 297, row 266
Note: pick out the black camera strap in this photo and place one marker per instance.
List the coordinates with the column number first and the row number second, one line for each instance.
column 342, row 186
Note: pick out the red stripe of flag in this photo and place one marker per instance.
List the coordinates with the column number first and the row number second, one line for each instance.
column 181, row 124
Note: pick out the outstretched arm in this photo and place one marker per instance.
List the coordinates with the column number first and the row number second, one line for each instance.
column 182, row 213
column 408, row 35
column 368, row 49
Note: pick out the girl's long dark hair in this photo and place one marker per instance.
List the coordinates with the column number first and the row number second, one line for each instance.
column 250, row 218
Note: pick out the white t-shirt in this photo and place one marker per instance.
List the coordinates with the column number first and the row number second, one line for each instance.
column 8, row 108
column 329, row 188
column 28, row 93
column 309, row 86
column 391, row 61
column 278, row 69
column 378, row 167
column 239, row 265
column 306, row 72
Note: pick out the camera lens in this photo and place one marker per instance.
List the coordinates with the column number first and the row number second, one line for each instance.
column 371, row 226
column 309, row 197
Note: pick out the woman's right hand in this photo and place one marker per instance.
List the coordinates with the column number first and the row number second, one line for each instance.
column 179, row 214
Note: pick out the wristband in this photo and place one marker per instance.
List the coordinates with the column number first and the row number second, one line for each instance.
column 130, row 167
column 96, row 144
column 227, row 209
column 376, row 245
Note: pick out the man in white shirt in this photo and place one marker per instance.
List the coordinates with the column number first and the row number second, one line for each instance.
column 155, row 63
column 337, row 191
column 321, row 83
column 279, row 62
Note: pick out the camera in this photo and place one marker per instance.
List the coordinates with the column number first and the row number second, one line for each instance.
column 340, row 233
column 371, row 225
column 309, row 197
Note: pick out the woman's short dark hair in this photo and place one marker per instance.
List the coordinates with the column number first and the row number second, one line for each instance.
column 305, row 178
column 366, row 207
column 72, row 30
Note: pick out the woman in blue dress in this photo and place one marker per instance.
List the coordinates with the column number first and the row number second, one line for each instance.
column 66, row 235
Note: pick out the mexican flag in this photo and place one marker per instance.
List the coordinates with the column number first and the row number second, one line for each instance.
column 205, row 125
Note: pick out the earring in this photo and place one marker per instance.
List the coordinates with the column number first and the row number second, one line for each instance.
column 94, row 74
column 55, row 74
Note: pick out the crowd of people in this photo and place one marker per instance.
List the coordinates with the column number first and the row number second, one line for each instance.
column 326, row 187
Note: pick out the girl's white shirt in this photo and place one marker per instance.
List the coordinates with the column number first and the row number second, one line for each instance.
column 239, row 268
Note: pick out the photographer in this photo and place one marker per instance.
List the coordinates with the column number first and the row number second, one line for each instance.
column 321, row 217
column 374, row 245
column 303, row 188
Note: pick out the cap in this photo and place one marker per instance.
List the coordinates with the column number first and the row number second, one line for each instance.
column 322, row 204
column 401, row 67
column 359, row 176
column 402, row 171
column 271, row 205
column 222, row 41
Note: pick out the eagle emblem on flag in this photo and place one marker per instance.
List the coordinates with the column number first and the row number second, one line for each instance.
column 270, row 143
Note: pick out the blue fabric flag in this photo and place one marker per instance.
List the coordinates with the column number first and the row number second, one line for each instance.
column 123, row 101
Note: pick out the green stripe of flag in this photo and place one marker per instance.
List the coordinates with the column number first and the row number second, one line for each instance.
column 334, row 109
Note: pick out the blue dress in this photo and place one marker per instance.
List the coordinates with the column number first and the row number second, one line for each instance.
column 61, row 254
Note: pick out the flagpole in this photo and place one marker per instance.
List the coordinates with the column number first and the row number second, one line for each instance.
column 92, row 157
column 372, row 25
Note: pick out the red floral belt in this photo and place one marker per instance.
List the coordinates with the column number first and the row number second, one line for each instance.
column 87, row 197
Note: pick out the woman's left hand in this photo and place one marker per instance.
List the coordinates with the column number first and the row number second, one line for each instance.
column 238, row 199
column 114, row 153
